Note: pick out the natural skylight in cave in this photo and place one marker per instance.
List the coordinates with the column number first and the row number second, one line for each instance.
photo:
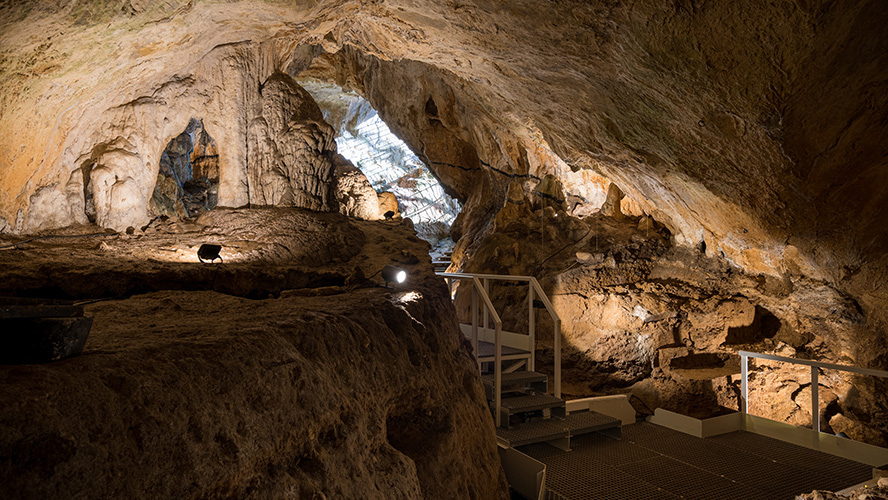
column 390, row 166
column 386, row 160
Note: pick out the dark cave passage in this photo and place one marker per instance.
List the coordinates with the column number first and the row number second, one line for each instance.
column 188, row 179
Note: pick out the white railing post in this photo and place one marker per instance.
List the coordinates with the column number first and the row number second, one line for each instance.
column 815, row 399
column 744, row 383
column 497, row 351
column 557, row 358
column 531, row 327
column 486, row 292
column 815, row 379
column 498, row 372
column 475, row 326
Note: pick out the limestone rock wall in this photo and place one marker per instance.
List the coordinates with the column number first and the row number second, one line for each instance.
column 710, row 117
column 322, row 384
column 288, row 398
column 753, row 132
column 290, row 148
column 353, row 192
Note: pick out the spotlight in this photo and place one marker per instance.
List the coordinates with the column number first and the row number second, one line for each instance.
column 209, row 252
column 391, row 274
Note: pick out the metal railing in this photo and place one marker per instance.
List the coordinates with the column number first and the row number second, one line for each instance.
column 481, row 290
column 815, row 379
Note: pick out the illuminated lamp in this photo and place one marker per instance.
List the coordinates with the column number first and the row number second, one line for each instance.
column 391, row 274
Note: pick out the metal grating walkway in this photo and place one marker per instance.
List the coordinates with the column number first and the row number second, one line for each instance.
column 653, row 462
column 532, row 432
column 573, row 426
column 531, row 402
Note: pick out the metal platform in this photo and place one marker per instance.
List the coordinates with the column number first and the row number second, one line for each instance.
column 545, row 430
column 537, row 431
column 589, row 421
column 531, row 402
column 653, row 462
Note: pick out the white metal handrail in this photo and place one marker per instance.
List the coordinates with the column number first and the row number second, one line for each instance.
column 815, row 379
column 481, row 289
column 498, row 345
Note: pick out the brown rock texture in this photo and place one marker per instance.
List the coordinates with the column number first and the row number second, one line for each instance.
column 664, row 324
column 749, row 135
column 353, row 192
column 338, row 389
column 729, row 125
column 290, row 158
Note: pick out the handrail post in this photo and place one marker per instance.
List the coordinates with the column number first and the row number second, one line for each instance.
column 531, row 327
column 815, row 399
column 744, row 383
column 486, row 292
column 475, row 326
column 498, row 373
column 557, row 323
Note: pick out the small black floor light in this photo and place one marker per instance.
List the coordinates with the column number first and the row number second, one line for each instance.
column 209, row 252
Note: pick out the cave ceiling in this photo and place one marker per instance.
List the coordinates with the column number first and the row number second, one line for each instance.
column 753, row 127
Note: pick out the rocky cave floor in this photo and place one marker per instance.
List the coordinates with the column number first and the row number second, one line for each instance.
column 288, row 370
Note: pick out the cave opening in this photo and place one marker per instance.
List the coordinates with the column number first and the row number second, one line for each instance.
column 405, row 184
column 188, row 178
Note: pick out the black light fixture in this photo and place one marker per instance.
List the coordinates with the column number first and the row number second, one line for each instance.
column 209, row 252
column 392, row 274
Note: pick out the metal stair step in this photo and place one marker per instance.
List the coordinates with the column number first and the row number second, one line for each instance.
column 486, row 352
column 589, row 421
column 517, row 378
column 531, row 402
column 537, row 431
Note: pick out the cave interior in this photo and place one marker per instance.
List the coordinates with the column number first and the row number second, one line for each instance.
column 685, row 180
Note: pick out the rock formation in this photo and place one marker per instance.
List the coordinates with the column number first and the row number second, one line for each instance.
column 290, row 148
column 742, row 143
column 188, row 180
column 330, row 386
column 353, row 192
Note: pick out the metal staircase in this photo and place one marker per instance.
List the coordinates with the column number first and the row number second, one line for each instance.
column 524, row 411
column 442, row 263
column 530, row 415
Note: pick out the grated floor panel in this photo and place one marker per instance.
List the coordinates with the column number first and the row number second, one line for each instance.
column 589, row 421
column 608, row 450
column 533, row 432
column 656, row 462
column 617, row 486
column 531, row 402
column 790, row 454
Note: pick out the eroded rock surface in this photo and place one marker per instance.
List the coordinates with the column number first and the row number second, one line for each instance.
column 334, row 390
column 353, row 192
column 753, row 133
column 664, row 324
column 291, row 148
